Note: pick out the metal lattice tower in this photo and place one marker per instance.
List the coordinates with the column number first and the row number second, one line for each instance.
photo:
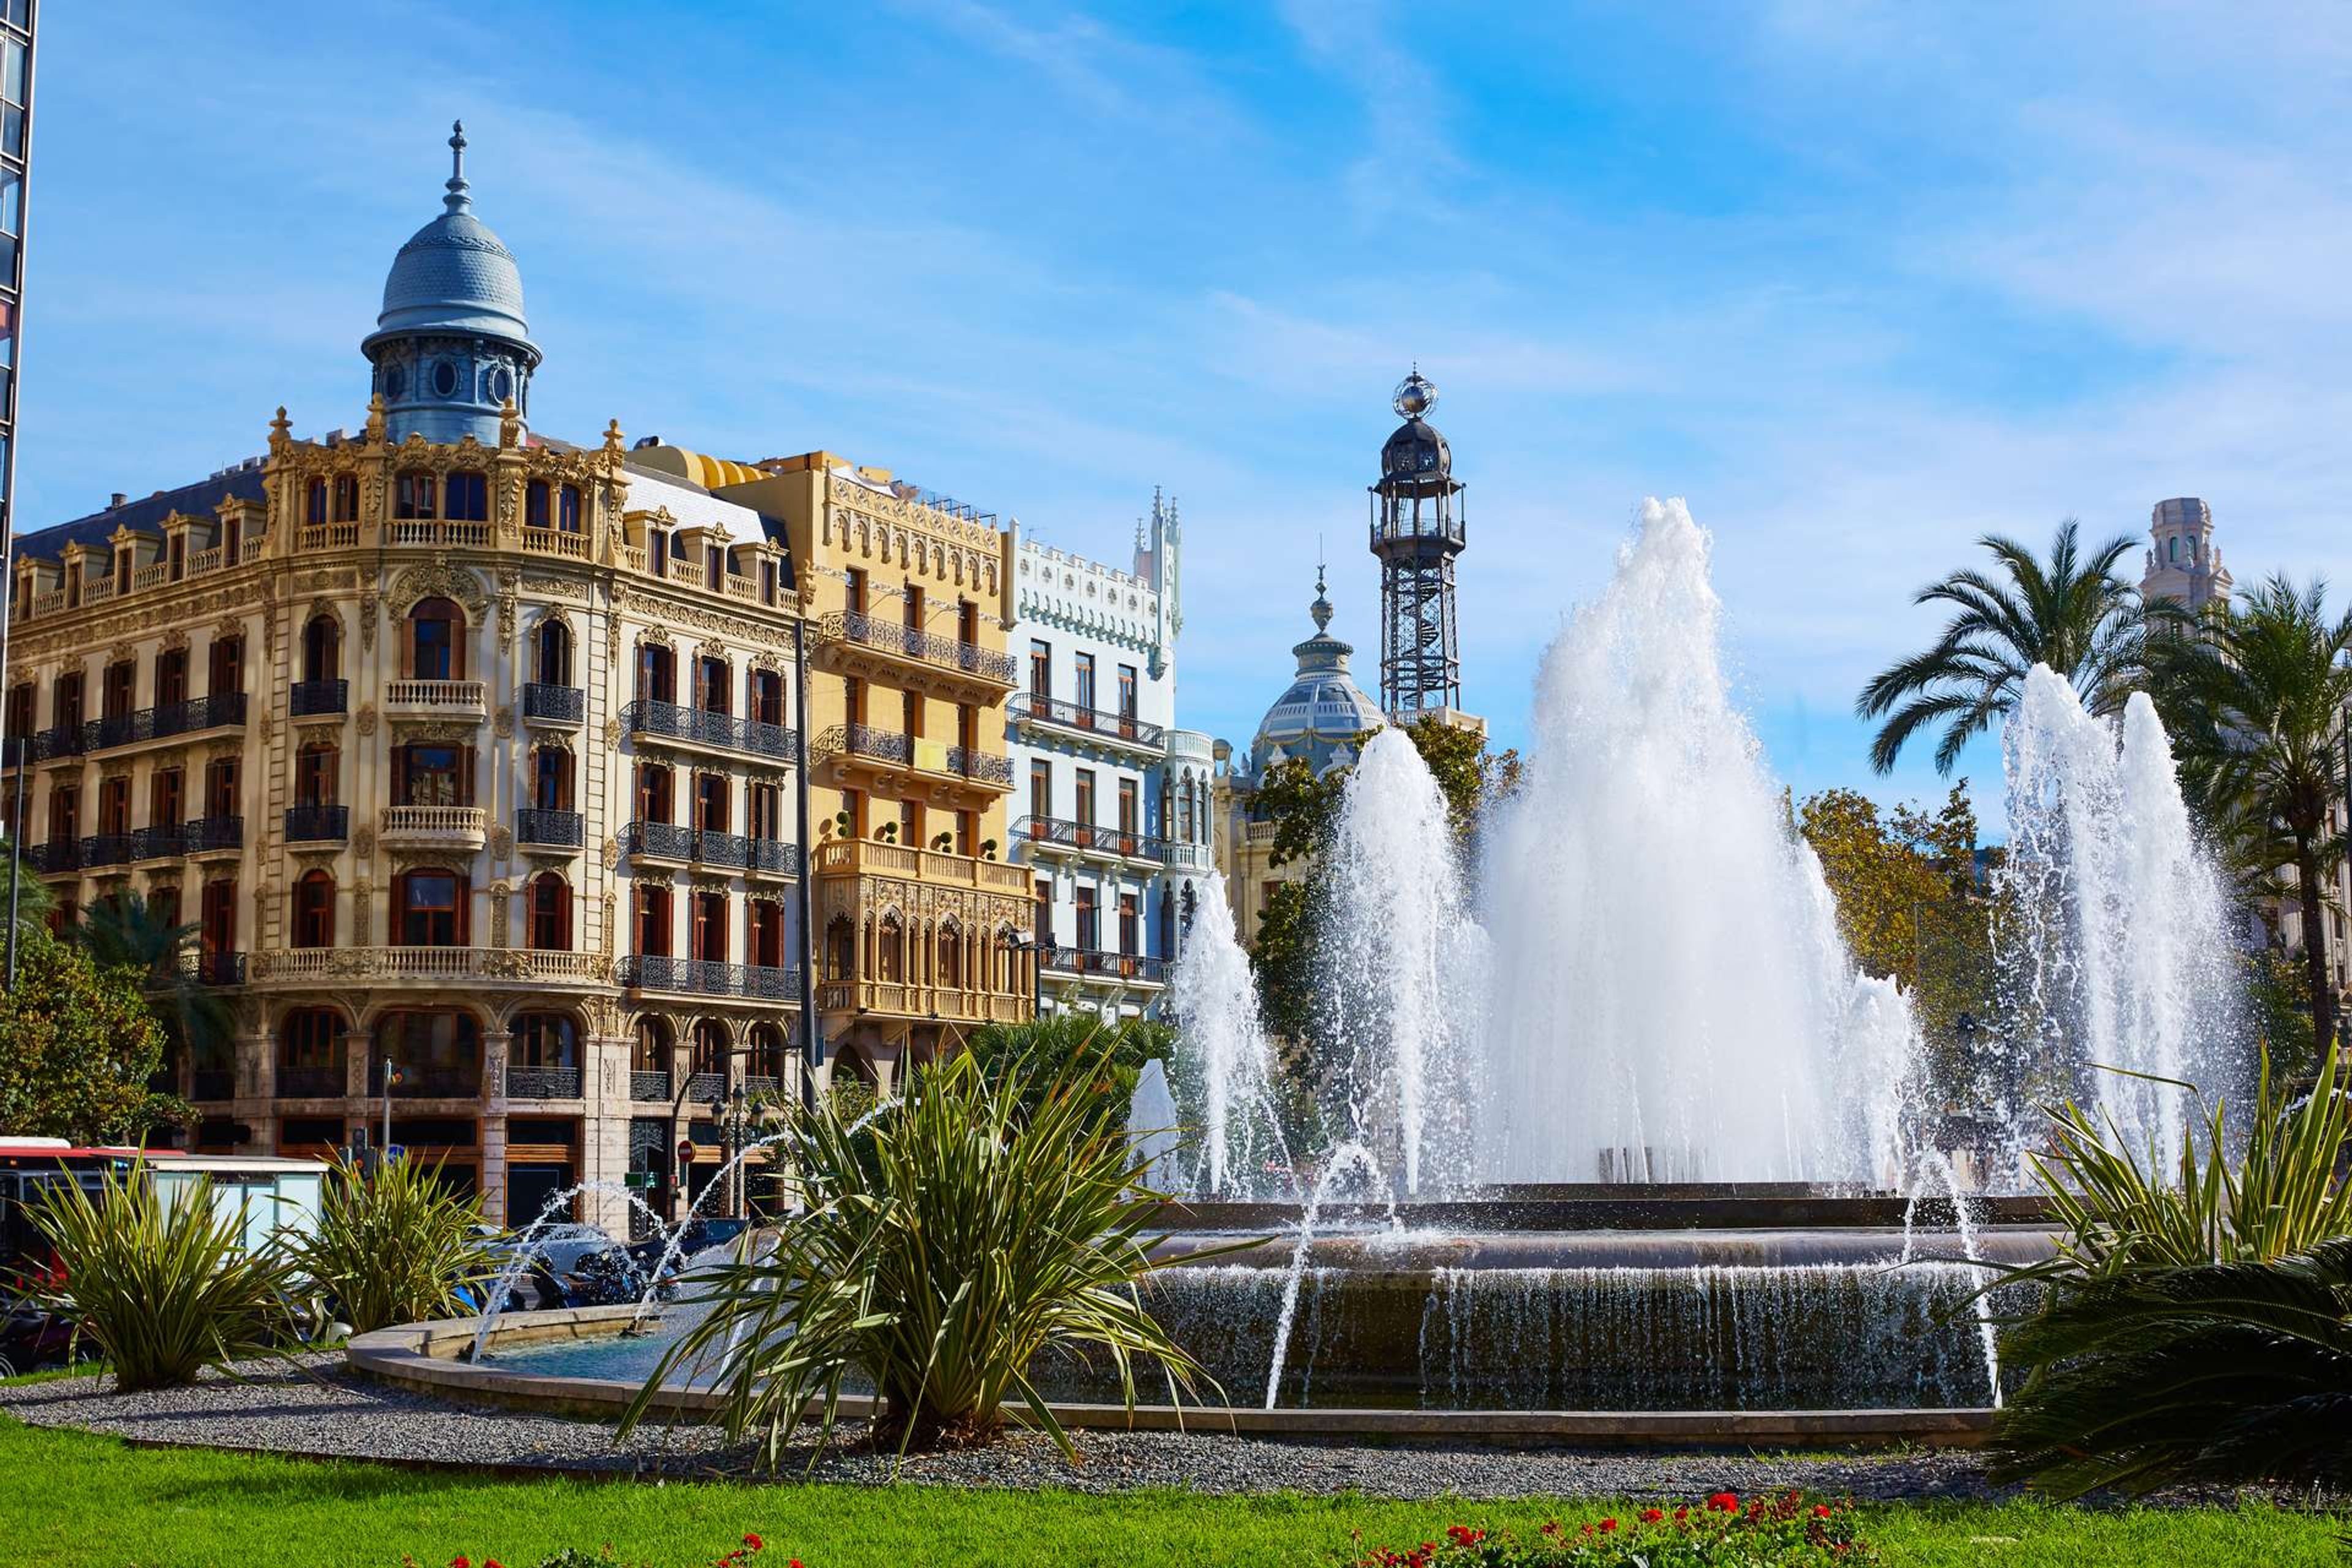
column 1417, row 530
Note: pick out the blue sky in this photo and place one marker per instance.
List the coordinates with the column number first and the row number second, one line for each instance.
column 1860, row 282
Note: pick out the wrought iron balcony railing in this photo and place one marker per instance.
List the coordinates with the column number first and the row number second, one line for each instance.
column 311, row 1083
column 985, row 766
column 313, row 697
column 668, row 721
column 1139, row 967
column 58, row 741
column 1122, row 727
column 554, row 704
column 1087, row 838
column 317, row 824
column 542, row 1083
column 213, row 968
column 105, row 849
column 56, row 855
column 709, row 977
column 163, row 722
column 650, row 1085
column 872, row 631
column 560, row 829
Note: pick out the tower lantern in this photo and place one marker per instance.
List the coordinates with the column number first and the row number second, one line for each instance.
column 1417, row 530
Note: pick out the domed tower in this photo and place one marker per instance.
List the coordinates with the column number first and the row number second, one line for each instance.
column 451, row 346
column 1417, row 530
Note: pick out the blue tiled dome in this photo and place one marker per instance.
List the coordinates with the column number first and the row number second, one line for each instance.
column 1323, row 710
column 455, row 275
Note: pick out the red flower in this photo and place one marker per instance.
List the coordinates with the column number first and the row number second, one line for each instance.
column 491, row 1562
column 1723, row 1503
column 1462, row 1535
column 1681, row 1514
column 1652, row 1515
column 1607, row 1525
column 751, row 1538
column 1820, row 1510
column 460, row 1561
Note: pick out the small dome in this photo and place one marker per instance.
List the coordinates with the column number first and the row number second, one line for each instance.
column 1321, row 712
column 1416, row 452
column 453, row 275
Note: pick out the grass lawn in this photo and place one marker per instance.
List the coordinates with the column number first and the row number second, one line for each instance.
column 72, row 1499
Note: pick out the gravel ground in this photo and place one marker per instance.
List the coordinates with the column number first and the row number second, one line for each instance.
column 321, row 1410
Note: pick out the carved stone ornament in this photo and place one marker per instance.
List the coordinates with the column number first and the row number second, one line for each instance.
column 363, row 840
column 175, row 640
column 367, row 716
column 441, row 581
column 502, row 907
column 363, row 906
column 501, row 842
column 502, row 724
column 612, row 731
column 609, row 922
column 508, row 604
column 435, row 731
column 612, row 852
column 368, row 603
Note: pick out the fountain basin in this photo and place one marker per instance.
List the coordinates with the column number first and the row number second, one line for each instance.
column 425, row 1357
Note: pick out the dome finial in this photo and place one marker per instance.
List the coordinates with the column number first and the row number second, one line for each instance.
column 457, row 201
column 1415, row 396
column 1321, row 608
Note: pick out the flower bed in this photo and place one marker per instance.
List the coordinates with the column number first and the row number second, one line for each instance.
column 571, row 1557
column 1791, row 1531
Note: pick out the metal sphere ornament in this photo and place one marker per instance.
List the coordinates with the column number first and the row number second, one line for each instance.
column 1415, row 396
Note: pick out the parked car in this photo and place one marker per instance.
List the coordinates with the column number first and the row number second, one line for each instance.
column 32, row 1338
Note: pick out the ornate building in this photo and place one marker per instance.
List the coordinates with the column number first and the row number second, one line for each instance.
column 478, row 753
column 1318, row 718
column 1116, row 833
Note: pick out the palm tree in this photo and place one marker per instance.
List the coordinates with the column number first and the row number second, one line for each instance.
column 124, row 931
column 2072, row 613
column 2257, row 707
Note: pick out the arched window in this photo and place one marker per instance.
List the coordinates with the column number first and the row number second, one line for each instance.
column 314, row 504
column 1167, row 921
column 314, row 774
column 438, row 1051
column 314, row 910
column 437, row 641
column 653, row 920
column 651, row 1051
column 412, row 497
column 552, row 653
column 551, row 912
column 347, row 498
column 891, row 956
column 770, row 1054
column 534, row 504
column 469, row 497
column 544, row 1040
column 429, row 908
column 711, row 1046
column 322, row 648
column 951, row 962
column 840, row 948
column 551, row 779
column 310, row 1053
column 567, row 509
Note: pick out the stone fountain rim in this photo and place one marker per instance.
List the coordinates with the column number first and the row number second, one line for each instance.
column 425, row 1358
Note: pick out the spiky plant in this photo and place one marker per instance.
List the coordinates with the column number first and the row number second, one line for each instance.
column 165, row 1286
column 2217, row 1372
column 393, row 1245
column 958, row 1238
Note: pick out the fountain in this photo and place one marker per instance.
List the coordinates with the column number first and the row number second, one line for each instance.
column 1625, row 1146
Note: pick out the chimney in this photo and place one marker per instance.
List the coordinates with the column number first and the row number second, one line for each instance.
column 116, row 500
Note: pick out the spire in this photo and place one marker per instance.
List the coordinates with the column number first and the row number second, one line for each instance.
column 1321, row 608
column 457, row 201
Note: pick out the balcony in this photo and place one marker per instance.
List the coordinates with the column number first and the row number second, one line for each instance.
column 213, row 968
column 56, row 857
column 312, row 697
column 707, row 977
column 105, row 849
column 312, row 1082
column 544, row 704
column 314, row 965
column 205, row 835
column 851, row 643
column 440, row 532
column 567, row 542
column 435, row 1080
column 542, row 829
column 317, row 824
column 1122, row 968
column 1053, row 835
column 460, row 829
column 162, row 723
column 922, row 1002
column 1093, row 724
column 669, row 723
column 58, row 741
column 864, row 856
column 709, row 846
column 650, row 1088
column 439, row 699
column 859, row 756
column 542, row 1083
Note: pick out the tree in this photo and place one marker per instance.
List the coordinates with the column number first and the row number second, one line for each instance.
column 1912, row 906
column 2072, row 613
column 124, row 931
column 33, row 900
column 78, row 1046
column 1104, row 1057
column 2256, row 704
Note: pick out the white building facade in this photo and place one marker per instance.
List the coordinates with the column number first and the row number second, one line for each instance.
column 1110, row 798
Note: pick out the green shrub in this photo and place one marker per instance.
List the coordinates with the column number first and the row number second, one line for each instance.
column 1105, row 1058
column 164, row 1287
column 970, row 1234
column 394, row 1247
column 1790, row 1530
